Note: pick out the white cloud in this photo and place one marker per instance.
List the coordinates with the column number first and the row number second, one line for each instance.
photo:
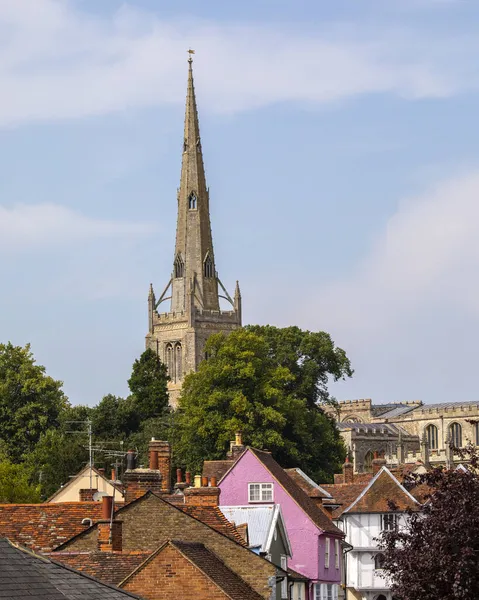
column 426, row 257
column 57, row 62
column 25, row 226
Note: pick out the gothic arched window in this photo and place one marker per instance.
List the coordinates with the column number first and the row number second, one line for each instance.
column 368, row 461
column 179, row 362
column 379, row 561
column 192, row 201
column 456, row 435
column 179, row 266
column 170, row 361
column 432, row 437
column 208, row 266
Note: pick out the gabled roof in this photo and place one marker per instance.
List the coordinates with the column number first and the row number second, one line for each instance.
column 208, row 563
column 295, row 492
column 307, row 484
column 109, row 567
column 262, row 522
column 43, row 527
column 381, row 490
column 27, row 575
column 343, row 495
column 80, row 474
column 216, row 468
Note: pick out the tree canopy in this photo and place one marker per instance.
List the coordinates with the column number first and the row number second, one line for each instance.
column 265, row 382
column 30, row 400
column 436, row 556
column 148, row 385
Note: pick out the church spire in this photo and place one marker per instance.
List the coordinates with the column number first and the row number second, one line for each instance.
column 194, row 262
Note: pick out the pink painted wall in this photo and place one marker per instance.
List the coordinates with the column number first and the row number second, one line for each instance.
column 307, row 540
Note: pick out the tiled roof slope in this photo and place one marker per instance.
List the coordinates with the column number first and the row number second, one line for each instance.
column 344, row 494
column 26, row 575
column 298, row 495
column 214, row 568
column 216, row 468
column 43, row 527
column 212, row 516
column 306, row 484
column 383, row 489
column 109, row 567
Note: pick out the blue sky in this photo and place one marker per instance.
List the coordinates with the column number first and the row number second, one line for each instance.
column 341, row 145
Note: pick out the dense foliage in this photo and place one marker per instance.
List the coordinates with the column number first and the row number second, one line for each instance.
column 266, row 382
column 436, row 556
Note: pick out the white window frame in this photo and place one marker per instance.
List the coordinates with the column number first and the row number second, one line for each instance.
column 336, row 553
column 325, row 591
column 395, row 522
column 263, row 487
column 327, row 551
column 284, row 583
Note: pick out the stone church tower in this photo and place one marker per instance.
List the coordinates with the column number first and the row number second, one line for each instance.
column 194, row 289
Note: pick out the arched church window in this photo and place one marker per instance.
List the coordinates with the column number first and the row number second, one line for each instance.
column 179, row 266
column 368, row 461
column 208, row 266
column 432, row 437
column 456, row 435
column 179, row 362
column 170, row 361
column 192, row 201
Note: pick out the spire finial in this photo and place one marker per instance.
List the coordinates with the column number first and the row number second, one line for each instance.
column 190, row 58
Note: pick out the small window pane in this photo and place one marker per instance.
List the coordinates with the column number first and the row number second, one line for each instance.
column 254, row 492
column 389, row 522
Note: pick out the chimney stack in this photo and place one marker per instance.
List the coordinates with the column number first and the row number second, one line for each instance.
column 109, row 529
column 188, row 478
column 86, row 495
column 378, row 463
column 163, row 452
column 236, row 447
column 202, row 495
column 348, row 471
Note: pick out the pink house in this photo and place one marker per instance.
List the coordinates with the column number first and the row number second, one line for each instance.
column 316, row 543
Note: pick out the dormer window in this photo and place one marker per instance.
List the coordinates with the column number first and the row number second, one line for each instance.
column 192, row 201
column 208, row 267
column 260, row 492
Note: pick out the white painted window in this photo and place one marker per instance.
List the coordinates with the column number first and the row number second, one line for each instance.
column 389, row 522
column 326, row 552
column 260, row 492
column 284, row 583
column 336, row 554
column 325, row 591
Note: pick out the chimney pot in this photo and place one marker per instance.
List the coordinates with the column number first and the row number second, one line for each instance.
column 153, row 460
column 213, row 482
column 204, row 482
column 197, row 481
column 106, row 507
column 238, row 439
column 113, row 475
column 188, row 477
column 178, row 476
column 130, row 460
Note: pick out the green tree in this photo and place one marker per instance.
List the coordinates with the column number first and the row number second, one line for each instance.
column 30, row 400
column 250, row 382
column 15, row 486
column 148, row 385
column 115, row 418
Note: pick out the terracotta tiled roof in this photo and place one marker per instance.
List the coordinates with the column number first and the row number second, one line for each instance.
column 298, row 495
column 344, row 494
column 383, row 489
column 214, row 518
column 110, row 567
column 214, row 568
column 216, row 468
column 306, row 484
column 358, row 478
column 26, row 575
column 43, row 527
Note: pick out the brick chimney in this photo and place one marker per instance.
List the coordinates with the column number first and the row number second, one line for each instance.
column 109, row 530
column 163, row 452
column 139, row 481
column 236, row 447
column 86, row 495
column 203, row 495
column 378, row 463
column 348, row 471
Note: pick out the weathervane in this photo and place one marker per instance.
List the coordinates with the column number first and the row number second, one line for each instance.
column 190, row 52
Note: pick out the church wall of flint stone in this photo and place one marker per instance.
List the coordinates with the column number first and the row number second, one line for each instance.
column 188, row 311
